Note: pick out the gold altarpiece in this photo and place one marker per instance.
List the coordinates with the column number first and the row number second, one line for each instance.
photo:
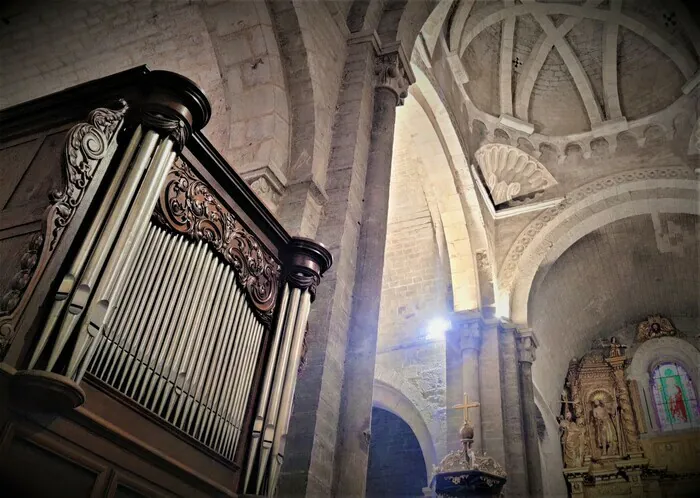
column 604, row 446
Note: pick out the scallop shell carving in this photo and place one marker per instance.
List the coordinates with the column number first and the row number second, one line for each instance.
column 510, row 172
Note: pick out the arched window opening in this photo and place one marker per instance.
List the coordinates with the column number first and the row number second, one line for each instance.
column 675, row 398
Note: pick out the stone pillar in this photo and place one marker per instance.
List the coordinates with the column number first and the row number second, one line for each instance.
column 313, row 429
column 468, row 327
column 512, row 413
column 352, row 450
column 491, row 391
column 526, row 353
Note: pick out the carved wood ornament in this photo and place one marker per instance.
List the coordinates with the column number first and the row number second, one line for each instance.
column 188, row 206
column 86, row 145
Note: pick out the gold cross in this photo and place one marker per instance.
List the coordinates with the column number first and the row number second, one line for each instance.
column 466, row 406
column 565, row 400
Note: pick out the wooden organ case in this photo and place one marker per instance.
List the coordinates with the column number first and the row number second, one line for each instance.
column 152, row 310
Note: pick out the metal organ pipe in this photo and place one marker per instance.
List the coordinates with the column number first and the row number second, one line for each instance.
column 69, row 281
column 305, row 263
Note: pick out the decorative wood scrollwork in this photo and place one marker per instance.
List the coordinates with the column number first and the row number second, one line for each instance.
column 86, row 145
column 188, row 206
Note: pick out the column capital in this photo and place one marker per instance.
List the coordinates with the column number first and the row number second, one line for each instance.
column 305, row 262
column 391, row 74
column 468, row 325
column 527, row 344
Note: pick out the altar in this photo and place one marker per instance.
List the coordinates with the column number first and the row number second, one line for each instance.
column 617, row 417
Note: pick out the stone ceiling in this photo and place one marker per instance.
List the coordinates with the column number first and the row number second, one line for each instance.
column 570, row 67
column 613, row 277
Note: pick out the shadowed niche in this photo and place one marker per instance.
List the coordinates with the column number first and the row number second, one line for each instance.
column 396, row 465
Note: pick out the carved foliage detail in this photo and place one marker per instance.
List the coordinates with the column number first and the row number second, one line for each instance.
column 20, row 280
column 86, row 145
column 510, row 172
column 188, row 206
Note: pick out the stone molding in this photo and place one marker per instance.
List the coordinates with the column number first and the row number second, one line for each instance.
column 510, row 265
column 510, row 172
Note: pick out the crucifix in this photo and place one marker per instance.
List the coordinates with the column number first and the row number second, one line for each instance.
column 466, row 405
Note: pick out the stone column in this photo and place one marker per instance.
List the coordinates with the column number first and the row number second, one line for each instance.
column 468, row 326
column 629, row 428
column 352, row 450
column 526, row 355
column 311, row 441
column 514, row 444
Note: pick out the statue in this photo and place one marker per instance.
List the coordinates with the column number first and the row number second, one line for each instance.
column 605, row 432
column 573, row 440
column 616, row 348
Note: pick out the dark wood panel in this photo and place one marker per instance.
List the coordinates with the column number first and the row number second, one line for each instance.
column 43, row 174
column 58, row 477
column 152, row 432
column 14, row 161
column 126, row 492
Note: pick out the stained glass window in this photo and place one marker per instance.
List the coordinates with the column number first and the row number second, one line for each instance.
column 674, row 398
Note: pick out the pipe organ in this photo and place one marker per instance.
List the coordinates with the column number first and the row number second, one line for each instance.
column 163, row 303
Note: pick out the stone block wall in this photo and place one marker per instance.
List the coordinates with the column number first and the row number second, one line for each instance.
column 49, row 46
column 415, row 290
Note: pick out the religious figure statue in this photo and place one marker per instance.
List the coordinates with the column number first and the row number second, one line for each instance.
column 573, row 440
column 616, row 348
column 605, row 432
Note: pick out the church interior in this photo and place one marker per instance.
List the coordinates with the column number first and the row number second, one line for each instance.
column 349, row 248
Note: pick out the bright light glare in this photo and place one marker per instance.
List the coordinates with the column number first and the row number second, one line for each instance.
column 437, row 328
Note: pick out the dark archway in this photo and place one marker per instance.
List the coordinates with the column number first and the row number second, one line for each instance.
column 396, row 465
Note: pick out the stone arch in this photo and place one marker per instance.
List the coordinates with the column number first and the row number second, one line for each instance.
column 402, row 20
column 459, row 208
column 586, row 209
column 573, row 150
column 653, row 352
column 548, row 153
column 525, row 145
column 255, row 87
column 501, row 136
column 293, row 42
column 393, row 400
column 627, row 142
